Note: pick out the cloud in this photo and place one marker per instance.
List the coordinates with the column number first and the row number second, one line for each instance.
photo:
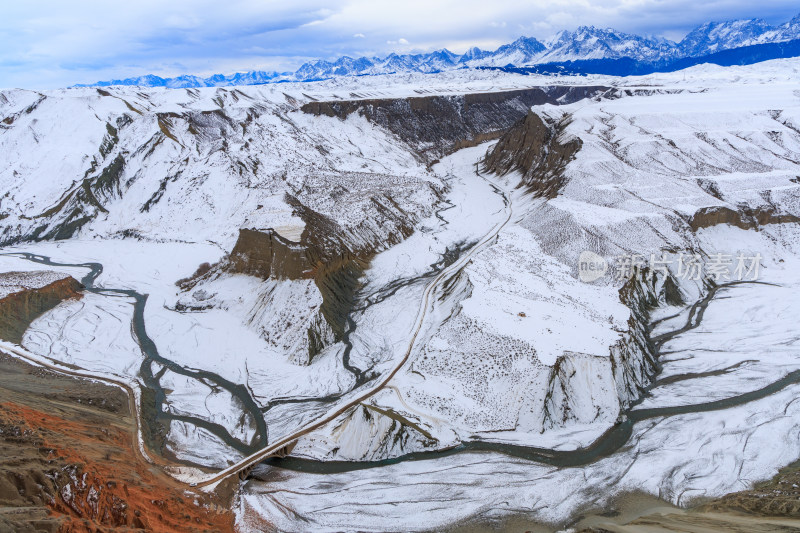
column 49, row 43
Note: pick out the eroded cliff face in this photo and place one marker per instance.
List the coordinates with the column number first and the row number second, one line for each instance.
column 265, row 254
column 21, row 307
column 539, row 150
column 585, row 388
column 439, row 125
column 745, row 217
column 634, row 358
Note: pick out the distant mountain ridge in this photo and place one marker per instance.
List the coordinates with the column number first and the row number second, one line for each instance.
column 254, row 77
column 586, row 45
column 625, row 66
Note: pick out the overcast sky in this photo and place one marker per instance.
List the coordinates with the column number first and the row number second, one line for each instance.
column 54, row 43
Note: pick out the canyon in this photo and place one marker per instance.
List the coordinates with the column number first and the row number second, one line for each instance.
column 347, row 305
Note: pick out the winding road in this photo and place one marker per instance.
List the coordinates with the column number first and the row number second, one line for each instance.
column 611, row 441
column 286, row 442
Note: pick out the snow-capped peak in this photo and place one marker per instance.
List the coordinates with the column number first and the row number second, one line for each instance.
column 715, row 36
column 589, row 42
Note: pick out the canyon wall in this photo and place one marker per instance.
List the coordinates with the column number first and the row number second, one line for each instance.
column 439, row 125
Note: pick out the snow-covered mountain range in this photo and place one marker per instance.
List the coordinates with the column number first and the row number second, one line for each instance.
column 585, row 43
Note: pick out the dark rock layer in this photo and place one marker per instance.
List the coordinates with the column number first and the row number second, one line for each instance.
column 438, row 125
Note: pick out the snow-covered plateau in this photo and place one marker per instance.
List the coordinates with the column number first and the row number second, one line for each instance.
column 386, row 271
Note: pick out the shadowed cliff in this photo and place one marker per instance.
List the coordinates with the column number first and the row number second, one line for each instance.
column 439, row 125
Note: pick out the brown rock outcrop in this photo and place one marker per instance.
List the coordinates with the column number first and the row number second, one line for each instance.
column 536, row 149
column 19, row 309
column 744, row 218
column 331, row 255
column 265, row 254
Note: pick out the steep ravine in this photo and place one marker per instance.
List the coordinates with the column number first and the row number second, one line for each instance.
column 539, row 149
column 435, row 126
column 332, row 256
column 610, row 442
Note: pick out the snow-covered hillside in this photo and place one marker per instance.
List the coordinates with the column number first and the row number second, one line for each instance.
column 186, row 165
